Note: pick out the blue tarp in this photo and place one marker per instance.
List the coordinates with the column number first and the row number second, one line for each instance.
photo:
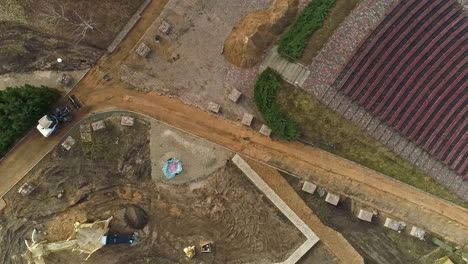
column 172, row 167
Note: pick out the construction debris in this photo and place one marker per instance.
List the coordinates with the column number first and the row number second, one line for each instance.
column 265, row 130
column 235, row 95
column 98, row 125
column 247, row 119
column 206, row 247
column 26, row 189
column 214, row 107
column 394, row 224
column 332, row 199
column 365, row 215
column 418, row 232
column 309, row 187
column 68, row 143
column 65, row 79
column 143, row 50
column 190, row 251
column 127, row 121
column 165, row 27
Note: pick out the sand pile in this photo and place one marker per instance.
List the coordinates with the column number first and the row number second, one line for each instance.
column 256, row 31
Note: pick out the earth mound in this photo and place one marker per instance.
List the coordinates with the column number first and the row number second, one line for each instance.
column 256, row 31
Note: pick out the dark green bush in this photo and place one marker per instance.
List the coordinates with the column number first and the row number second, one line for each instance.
column 265, row 98
column 20, row 108
column 295, row 40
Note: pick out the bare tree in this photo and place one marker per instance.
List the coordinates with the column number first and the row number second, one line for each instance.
column 55, row 14
column 83, row 27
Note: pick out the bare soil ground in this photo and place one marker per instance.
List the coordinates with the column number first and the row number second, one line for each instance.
column 35, row 33
column 374, row 242
column 199, row 73
column 222, row 207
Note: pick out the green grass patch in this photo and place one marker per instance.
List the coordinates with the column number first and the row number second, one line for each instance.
column 337, row 14
column 293, row 43
column 320, row 123
column 265, row 90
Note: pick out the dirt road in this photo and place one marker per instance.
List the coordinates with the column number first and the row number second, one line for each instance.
column 366, row 186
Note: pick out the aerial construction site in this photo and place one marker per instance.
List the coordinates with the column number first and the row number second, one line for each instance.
column 229, row 132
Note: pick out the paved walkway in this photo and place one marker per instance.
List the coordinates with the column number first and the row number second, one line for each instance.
column 311, row 237
column 294, row 73
column 328, row 64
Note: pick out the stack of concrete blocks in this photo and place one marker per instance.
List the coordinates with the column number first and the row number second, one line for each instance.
column 265, row 130
column 235, row 95
column 165, row 27
column 394, row 224
column 26, row 189
column 309, row 187
column 247, row 119
column 98, row 125
column 214, row 107
column 143, row 50
column 127, row 121
column 418, row 232
column 68, row 143
column 85, row 131
column 332, row 198
column 365, row 215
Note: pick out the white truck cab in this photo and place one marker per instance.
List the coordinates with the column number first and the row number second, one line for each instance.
column 47, row 125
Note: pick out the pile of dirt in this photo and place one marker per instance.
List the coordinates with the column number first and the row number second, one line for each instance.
column 256, row 31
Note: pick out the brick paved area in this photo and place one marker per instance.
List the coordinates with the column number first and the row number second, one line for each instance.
column 328, row 64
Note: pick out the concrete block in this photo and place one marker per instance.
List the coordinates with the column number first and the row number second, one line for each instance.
column 265, row 130
column 214, row 107
column 418, row 232
column 127, row 121
column 332, row 199
column 98, row 125
column 365, row 215
column 309, row 187
column 234, row 95
column 68, row 143
column 394, row 224
column 247, row 119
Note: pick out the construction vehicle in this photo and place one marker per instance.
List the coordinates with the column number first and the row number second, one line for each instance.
column 49, row 124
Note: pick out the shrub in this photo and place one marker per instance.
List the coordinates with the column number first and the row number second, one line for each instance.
column 265, row 98
column 295, row 40
column 20, row 108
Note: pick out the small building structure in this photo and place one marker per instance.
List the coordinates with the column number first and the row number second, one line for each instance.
column 332, row 198
column 394, row 224
column 418, row 232
column 365, row 215
column 127, row 121
column 205, row 247
column 214, row 107
column 165, row 27
column 247, row 119
column 98, row 125
column 235, row 95
column 26, row 189
column 309, row 187
column 68, row 143
column 143, row 50
column 265, row 130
